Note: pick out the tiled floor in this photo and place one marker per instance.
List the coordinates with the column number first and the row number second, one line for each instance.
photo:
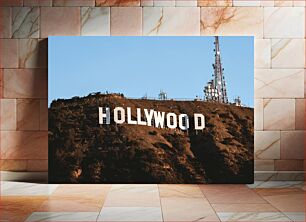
column 262, row 201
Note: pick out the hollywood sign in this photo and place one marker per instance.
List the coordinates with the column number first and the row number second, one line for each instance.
column 151, row 118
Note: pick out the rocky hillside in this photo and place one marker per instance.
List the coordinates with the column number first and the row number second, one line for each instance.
column 82, row 151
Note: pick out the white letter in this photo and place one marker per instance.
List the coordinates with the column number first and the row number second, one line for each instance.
column 122, row 115
column 159, row 118
column 139, row 121
column 104, row 115
column 183, row 121
column 174, row 124
column 149, row 116
column 129, row 116
column 197, row 125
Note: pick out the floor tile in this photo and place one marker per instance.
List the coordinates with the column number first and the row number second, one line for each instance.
column 85, row 190
column 130, row 214
column 183, row 190
column 14, row 208
column 276, row 184
column 132, row 195
column 265, row 192
column 187, row 209
column 230, row 194
column 9, row 188
column 251, row 216
column 63, row 216
column 285, row 200
column 295, row 216
column 71, row 204
column 263, row 201
column 262, row 207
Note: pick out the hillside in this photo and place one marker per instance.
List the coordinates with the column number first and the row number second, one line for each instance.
column 82, row 151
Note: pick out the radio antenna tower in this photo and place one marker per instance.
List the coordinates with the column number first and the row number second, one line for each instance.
column 215, row 90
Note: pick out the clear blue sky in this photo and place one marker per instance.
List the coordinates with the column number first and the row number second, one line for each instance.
column 136, row 66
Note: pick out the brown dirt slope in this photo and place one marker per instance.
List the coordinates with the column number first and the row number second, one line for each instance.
column 82, row 151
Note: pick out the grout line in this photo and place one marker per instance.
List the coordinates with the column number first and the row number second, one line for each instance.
column 104, row 202
column 209, row 203
column 278, row 210
column 160, row 203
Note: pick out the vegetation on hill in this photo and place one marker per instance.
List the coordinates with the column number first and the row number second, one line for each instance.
column 82, row 151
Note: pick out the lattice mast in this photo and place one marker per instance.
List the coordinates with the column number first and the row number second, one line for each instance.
column 218, row 73
column 216, row 88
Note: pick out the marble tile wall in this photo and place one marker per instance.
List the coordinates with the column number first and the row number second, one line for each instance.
column 278, row 27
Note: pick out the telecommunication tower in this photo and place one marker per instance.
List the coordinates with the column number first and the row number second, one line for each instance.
column 215, row 90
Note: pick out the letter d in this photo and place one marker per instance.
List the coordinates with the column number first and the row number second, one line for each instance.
column 199, row 121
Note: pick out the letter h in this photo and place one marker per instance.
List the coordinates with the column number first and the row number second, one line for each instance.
column 104, row 115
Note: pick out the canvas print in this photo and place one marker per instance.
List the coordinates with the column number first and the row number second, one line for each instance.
column 151, row 109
